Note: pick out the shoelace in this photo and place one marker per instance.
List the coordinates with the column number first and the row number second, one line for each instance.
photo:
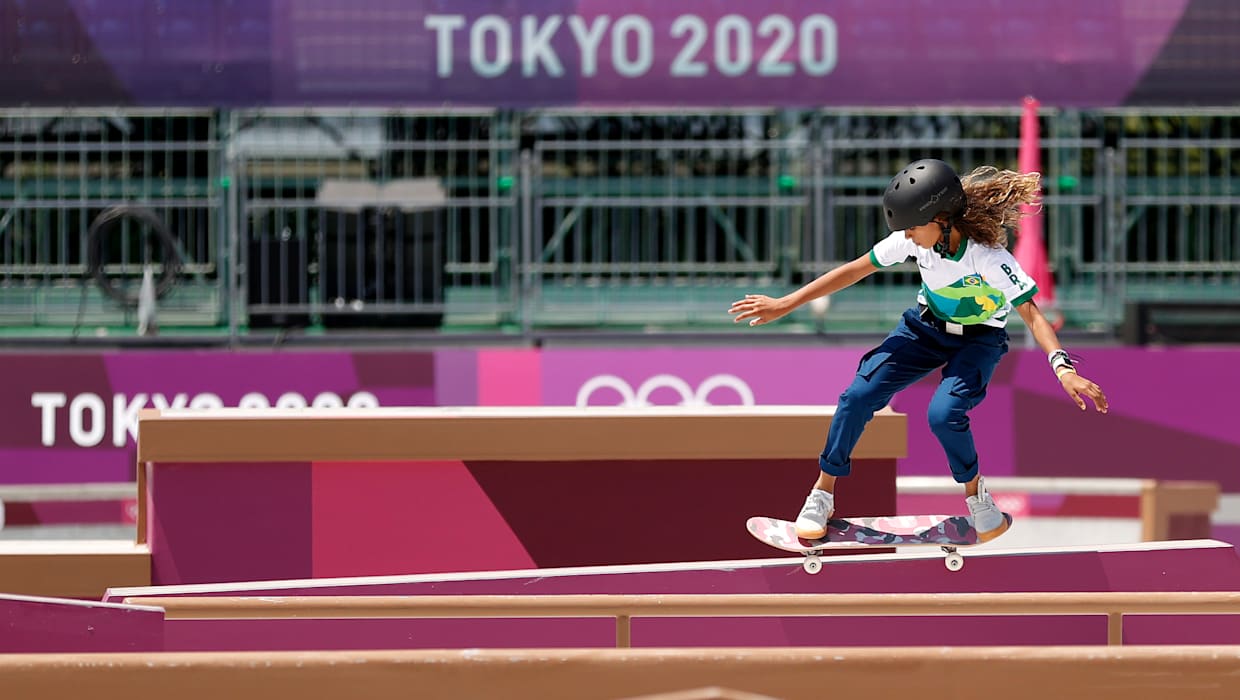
column 982, row 501
column 814, row 505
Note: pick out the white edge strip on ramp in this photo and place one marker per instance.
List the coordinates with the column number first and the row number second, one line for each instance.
column 928, row 552
column 73, row 602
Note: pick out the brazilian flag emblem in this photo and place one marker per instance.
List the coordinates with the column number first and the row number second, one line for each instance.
column 968, row 300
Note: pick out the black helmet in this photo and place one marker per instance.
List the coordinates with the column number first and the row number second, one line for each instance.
column 922, row 190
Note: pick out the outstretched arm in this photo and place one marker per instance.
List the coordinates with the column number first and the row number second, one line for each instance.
column 760, row 309
column 1074, row 384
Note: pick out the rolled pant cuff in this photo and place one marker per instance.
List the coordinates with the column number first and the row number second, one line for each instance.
column 965, row 476
column 834, row 469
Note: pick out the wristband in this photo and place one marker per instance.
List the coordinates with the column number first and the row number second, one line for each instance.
column 1060, row 362
column 1064, row 370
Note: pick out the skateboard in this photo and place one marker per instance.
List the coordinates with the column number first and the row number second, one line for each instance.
column 947, row 532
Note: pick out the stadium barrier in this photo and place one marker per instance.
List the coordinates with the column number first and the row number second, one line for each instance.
column 507, row 220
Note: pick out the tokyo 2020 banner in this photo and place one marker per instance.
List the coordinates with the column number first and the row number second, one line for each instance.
column 530, row 53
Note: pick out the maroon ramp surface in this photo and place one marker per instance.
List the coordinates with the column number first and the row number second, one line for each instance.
column 1199, row 565
column 31, row 624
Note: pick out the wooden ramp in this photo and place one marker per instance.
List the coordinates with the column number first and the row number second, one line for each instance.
column 753, row 626
column 33, row 624
column 1200, row 565
column 1181, row 565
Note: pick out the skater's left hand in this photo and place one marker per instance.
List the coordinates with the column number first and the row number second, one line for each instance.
column 759, row 309
column 1077, row 386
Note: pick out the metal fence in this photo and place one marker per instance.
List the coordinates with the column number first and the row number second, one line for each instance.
column 511, row 221
column 363, row 219
column 638, row 219
column 61, row 169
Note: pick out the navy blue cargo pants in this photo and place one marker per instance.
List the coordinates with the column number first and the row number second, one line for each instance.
column 914, row 349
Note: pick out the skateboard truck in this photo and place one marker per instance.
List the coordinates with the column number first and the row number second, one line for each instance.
column 954, row 560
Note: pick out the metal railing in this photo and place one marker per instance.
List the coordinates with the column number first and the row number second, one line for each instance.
column 511, row 221
column 60, row 169
column 623, row 608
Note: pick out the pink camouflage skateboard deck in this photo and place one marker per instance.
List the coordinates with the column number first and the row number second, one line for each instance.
column 944, row 531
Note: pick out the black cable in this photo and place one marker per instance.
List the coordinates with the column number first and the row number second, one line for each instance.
column 102, row 228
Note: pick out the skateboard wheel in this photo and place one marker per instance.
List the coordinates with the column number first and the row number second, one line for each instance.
column 954, row 562
column 812, row 564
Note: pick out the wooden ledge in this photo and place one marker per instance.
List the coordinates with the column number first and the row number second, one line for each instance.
column 71, row 568
column 543, row 433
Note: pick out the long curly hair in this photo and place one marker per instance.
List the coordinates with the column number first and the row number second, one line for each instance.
column 994, row 203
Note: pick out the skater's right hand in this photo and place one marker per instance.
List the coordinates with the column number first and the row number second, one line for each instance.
column 759, row 309
column 1077, row 386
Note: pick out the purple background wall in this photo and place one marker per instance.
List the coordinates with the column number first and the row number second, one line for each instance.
column 830, row 52
column 1162, row 424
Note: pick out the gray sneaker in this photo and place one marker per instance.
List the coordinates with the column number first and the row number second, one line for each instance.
column 989, row 521
column 812, row 521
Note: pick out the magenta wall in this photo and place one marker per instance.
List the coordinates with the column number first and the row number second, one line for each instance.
column 246, row 522
column 1171, row 414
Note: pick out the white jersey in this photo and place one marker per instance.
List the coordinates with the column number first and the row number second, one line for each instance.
column 978, row 284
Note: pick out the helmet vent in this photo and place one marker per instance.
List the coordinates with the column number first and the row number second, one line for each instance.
column 912, row 181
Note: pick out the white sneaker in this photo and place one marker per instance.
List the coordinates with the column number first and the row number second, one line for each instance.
column 987, row 518
column 812, row 521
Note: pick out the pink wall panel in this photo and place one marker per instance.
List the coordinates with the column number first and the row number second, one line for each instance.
column 509, row 378
column 400, row 517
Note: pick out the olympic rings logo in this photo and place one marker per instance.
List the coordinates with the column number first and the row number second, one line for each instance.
column 641, row 396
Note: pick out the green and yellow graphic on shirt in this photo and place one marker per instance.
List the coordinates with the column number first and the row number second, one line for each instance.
column 966, row 301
